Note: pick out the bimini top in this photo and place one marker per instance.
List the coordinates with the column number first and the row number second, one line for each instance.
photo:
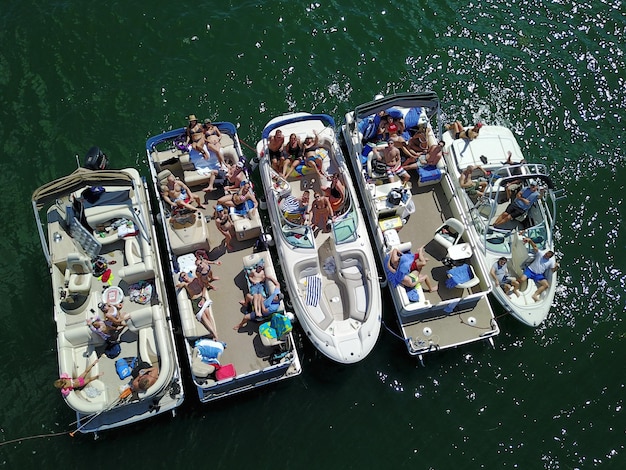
column 426, row 99
column 78, row 180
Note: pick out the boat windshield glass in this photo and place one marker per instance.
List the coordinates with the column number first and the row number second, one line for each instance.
column 299, row 236
column 344, row 227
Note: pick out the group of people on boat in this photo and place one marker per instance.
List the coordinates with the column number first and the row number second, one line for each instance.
column 402, row 149
column 287, row 156
column 198, row 286
column 205, row 138
column 542, row 264
column 321, row 211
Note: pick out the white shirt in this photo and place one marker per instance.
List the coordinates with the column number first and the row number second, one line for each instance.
column 540, row 265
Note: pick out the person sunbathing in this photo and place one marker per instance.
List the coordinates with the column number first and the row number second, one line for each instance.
column 67, row 384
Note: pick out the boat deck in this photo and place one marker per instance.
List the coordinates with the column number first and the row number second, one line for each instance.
column 244, row 347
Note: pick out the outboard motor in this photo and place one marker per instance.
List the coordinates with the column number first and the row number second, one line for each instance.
column 96, row 160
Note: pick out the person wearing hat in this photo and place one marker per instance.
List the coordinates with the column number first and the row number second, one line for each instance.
column 459, row 132
column 195, row 135
column 224, row 225
column 261, row 307
column 520, row 205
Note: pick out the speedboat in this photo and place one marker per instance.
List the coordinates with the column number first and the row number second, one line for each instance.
column 223, row 361
column 507, row 173
column 444, row 302
column 98, row 239
column 328, row 263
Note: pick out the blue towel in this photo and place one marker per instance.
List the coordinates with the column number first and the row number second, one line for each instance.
column 404, row 267
column 458, row 275
column 313, row 290
column 412, row 117
column 429, row 173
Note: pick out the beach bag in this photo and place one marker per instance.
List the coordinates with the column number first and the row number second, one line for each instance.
column 113, row 350
column 379, row 167
column 226, row 371
column 124, row 366
column 394, row 197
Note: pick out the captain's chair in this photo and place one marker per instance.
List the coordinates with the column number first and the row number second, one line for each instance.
column 78, row 273
column 449, row 233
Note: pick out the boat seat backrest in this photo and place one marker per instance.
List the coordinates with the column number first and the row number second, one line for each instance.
column 78, row 264
column 79, row 273
column 132, row 251
column 140, row 318
column 77, row 335
column 454, row 233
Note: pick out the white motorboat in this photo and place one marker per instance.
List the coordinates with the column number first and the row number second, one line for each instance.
column 330, row 270
column 507, row 173
column 425, row 211
column 98, row 239
column 259, row 353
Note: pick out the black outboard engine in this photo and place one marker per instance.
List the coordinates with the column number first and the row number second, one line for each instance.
column 96, row 160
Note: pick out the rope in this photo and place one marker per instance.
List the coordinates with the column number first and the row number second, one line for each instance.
column 405, row 341
column 244, row 143
column 34, row 437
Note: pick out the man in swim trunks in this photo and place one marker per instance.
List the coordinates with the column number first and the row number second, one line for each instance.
column 544, row 261
column 391, row 156
column 470, row 186
column 257, row 278
column 195, row 136
column 275, row 148
column 268, row 306
column 520, row 205
column 500, row 273
column 177, row 194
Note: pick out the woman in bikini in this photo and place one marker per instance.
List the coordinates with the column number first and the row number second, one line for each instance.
column 204, row 271
column 198, row 293
column 195, row 136
column 244, row 200
column 459, row 132
column 310, row 156
column 222, row 221
column 293, row 148
column 335, row 192
column 321, row 212
column 66, row 383
column 212, row 136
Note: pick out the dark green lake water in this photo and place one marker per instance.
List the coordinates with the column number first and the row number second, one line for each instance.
column 76, row 74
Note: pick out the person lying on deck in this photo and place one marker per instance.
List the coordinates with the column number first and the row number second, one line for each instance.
column 521, row 204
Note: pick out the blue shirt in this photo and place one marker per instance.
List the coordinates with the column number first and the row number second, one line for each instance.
column 529, row 194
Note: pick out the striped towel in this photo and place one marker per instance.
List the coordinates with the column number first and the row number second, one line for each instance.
column 313, row 290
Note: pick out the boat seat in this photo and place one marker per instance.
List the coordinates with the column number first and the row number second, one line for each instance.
column 452, row 235
column 78, row 274
column 140, row 319
column 246, row 226
column 473, row 281
column 147, row 346
column 132, row 253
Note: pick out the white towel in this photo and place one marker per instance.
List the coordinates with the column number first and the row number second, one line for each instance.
column 313, row 290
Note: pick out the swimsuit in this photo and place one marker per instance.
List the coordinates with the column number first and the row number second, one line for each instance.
column 294, row 152
column 257, row 288
column 65, row 391
column 182, row 196
column 276, row 153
